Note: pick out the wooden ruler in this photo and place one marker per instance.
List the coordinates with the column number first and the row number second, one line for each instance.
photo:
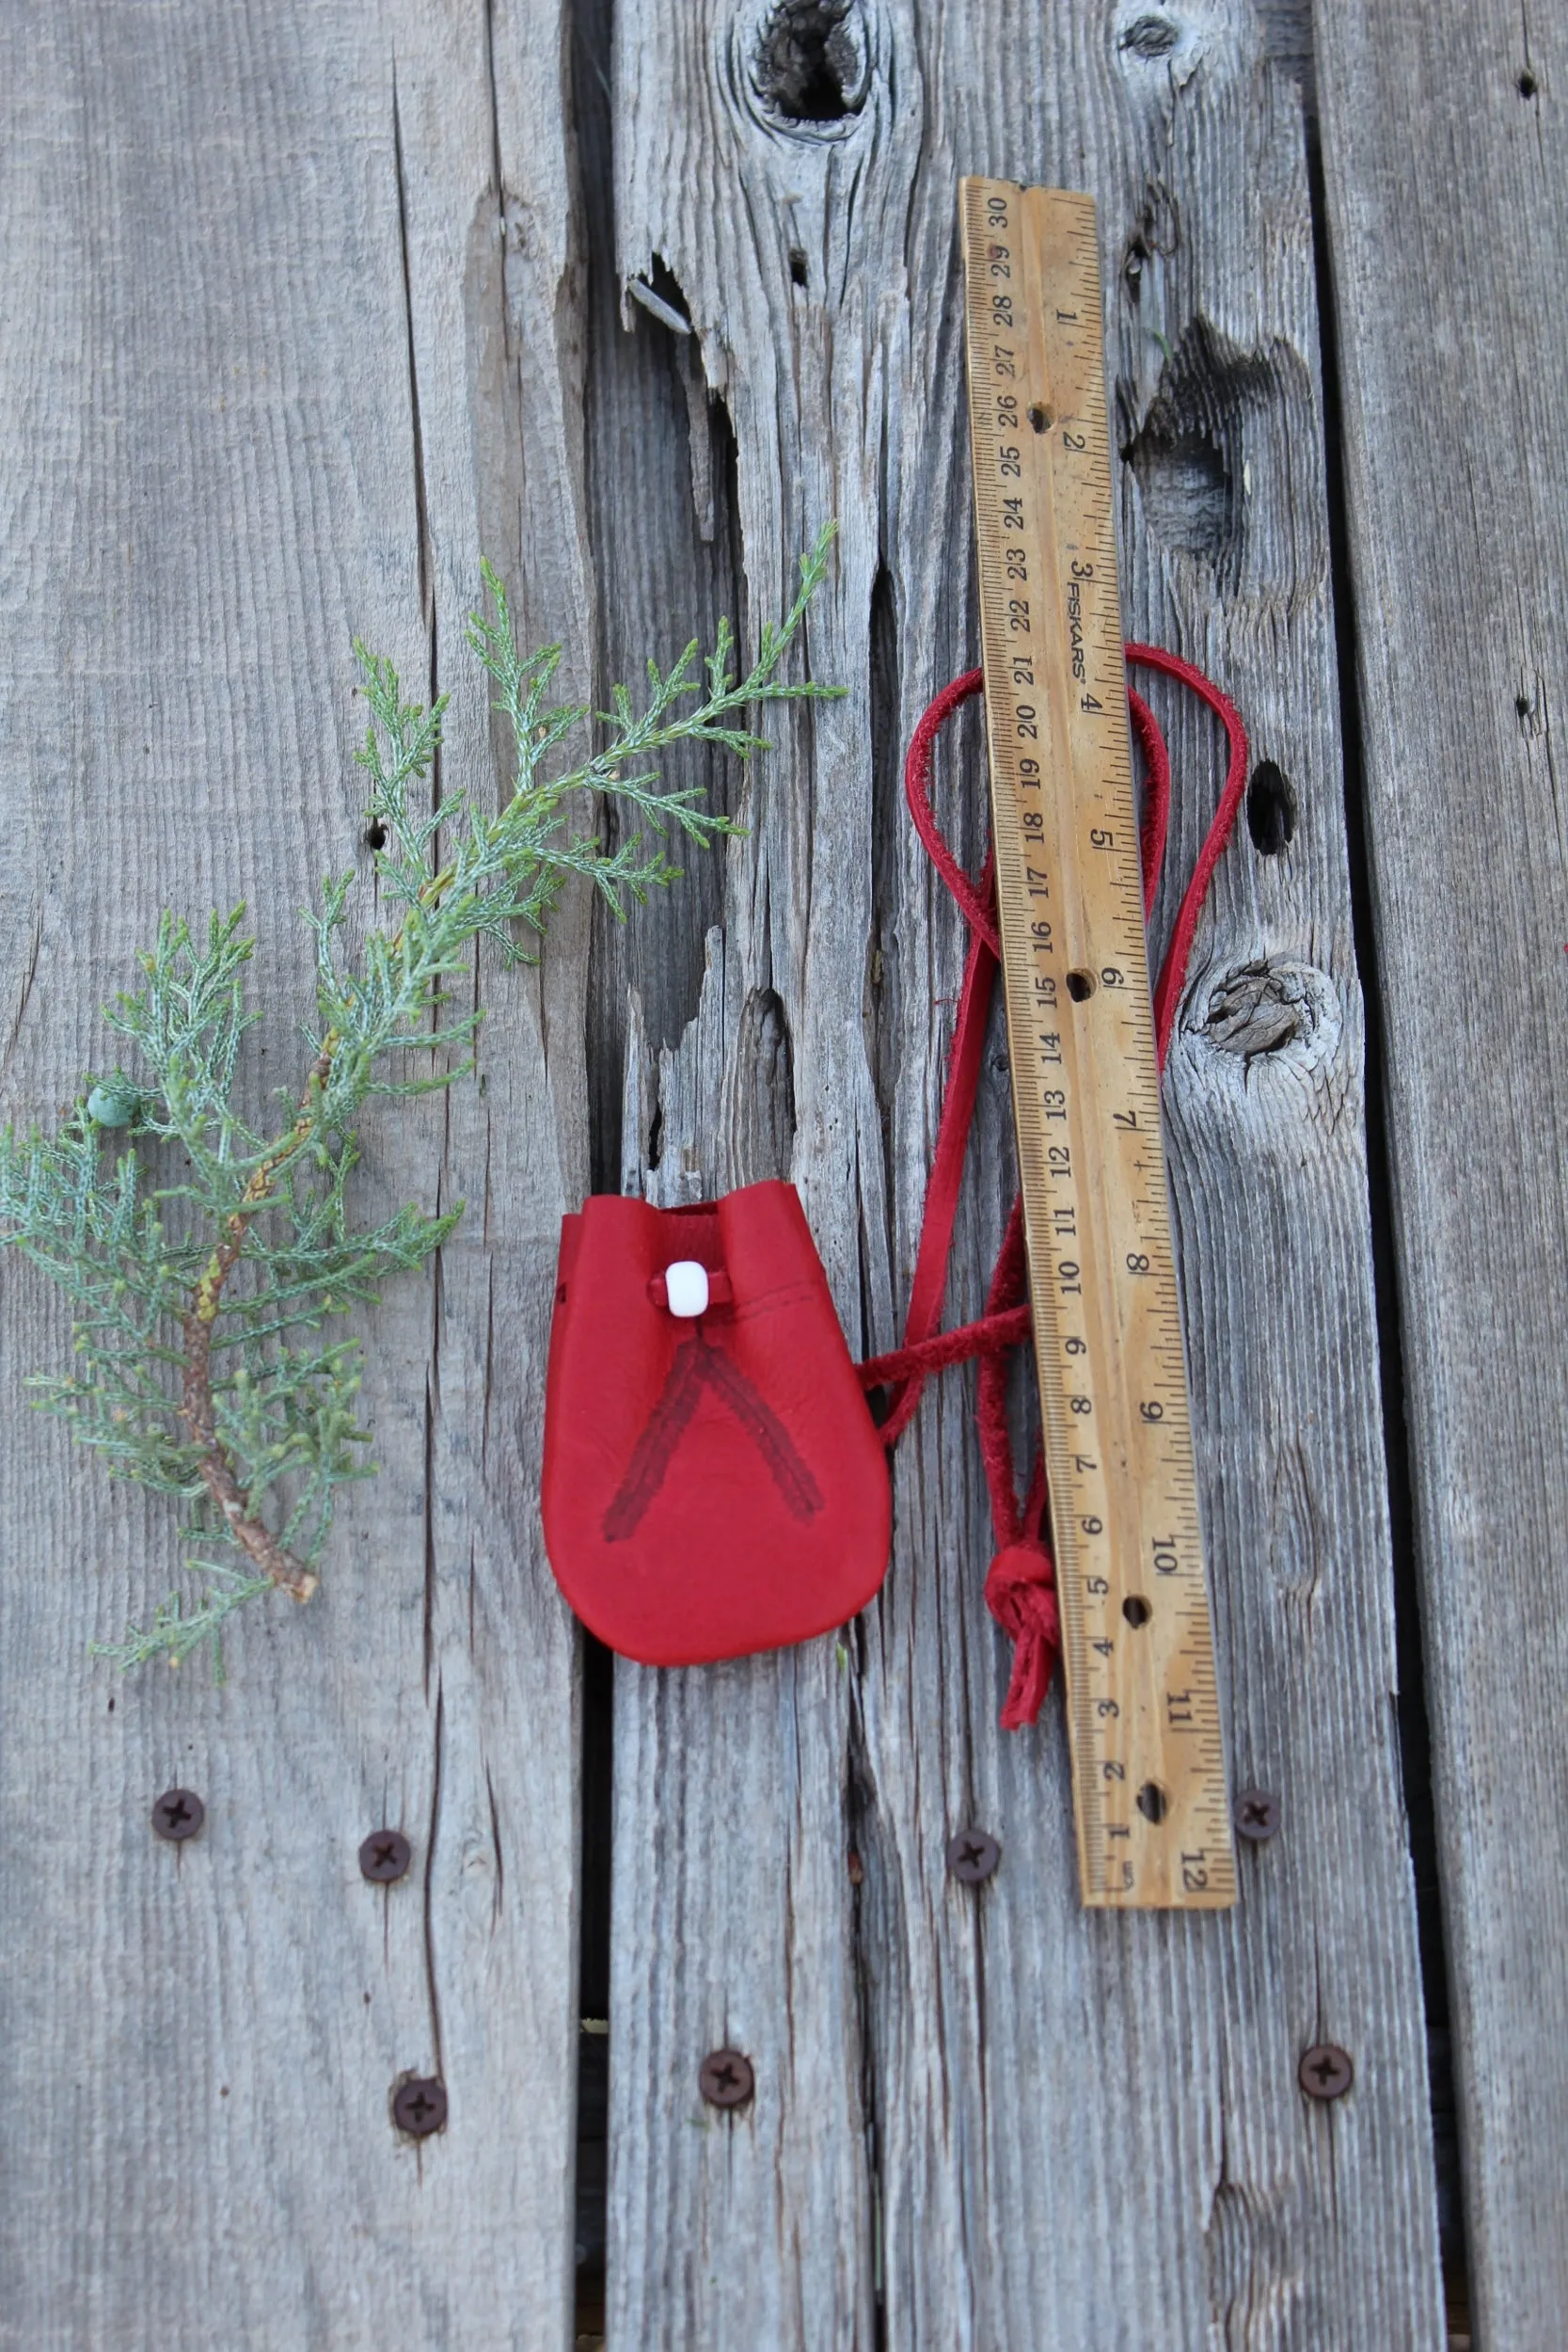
column 1143, row 1709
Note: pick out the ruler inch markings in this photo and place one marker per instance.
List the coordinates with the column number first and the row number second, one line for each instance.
column 1150, row 1798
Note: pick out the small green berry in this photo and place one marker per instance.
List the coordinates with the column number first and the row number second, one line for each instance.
column 113, row 1105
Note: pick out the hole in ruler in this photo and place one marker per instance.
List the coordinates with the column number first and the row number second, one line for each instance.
column 1041, row 418
column 1136, row 1610
column 1081, row 985
column 1152, row 1800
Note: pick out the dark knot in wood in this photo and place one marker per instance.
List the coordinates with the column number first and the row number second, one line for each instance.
column 1211, row 451
column 1258, row 1009
column 1150, row 37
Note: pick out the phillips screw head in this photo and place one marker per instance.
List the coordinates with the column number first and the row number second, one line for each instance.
column 1257, row 1816
column 1325, row 2071
column 973, row 1855
column 177, row 1814
column 726, row 2078
column 384, row 1856
column 419, row 2105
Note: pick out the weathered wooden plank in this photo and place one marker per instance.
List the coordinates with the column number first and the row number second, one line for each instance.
column 733, row 1783
column 1027, row 2126
column 280, row 359
column 1446, row 160
column 1251, row 2230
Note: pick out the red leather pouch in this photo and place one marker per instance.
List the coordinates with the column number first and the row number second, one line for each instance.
column 713, row 1482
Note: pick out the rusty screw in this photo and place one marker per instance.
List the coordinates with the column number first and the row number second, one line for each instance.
column 385, row 1855
column 973, row 1855
column 419, row 2105
column 726, row 2078
column 178, row 1814
column 1257, row 1816
column 1325, row 2071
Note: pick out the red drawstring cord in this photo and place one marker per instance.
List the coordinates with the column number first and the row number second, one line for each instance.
column 1021, row 1585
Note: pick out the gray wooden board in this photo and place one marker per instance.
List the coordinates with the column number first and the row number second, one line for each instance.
column 1013, row 2123
column 1446, row 158
column 280, row 361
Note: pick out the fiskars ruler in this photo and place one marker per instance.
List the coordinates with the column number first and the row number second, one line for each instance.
column 1143, row 1709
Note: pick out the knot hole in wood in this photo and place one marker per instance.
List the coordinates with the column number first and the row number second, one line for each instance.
column 1160, row 49
column 812, row 66
column 1262, row 1007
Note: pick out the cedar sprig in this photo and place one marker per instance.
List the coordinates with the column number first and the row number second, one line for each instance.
column 202, row 1369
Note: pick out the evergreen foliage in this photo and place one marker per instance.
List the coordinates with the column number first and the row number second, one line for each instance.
column 203, row 1368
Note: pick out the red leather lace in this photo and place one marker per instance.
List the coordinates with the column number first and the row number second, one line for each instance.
column 1021, row 1588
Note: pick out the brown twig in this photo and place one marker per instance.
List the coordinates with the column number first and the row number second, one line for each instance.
column 196, row 1410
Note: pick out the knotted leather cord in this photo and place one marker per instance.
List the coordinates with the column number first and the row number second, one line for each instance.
column 1021, row 1585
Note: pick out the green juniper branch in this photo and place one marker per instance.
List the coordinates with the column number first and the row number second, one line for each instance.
column 197, row 1305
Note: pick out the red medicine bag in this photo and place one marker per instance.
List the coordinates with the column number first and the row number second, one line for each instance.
column 714, row 1482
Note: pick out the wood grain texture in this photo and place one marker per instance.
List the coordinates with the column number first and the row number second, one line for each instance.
column 734, row 1923
column 1446, row 158
column 293, row 333
column 1006, row 2122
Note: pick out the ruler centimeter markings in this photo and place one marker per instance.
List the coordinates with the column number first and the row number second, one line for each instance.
column 1150, row 1799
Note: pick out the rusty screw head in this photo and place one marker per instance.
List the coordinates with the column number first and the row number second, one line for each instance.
column 1256, row 1814
column 385, row 1855
column 973, row 1855
column 1325, row 2071
column 419, row 2105
column 178, row 1814
column 726, row 2078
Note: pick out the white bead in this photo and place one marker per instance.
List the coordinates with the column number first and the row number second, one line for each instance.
column 686, row 1287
